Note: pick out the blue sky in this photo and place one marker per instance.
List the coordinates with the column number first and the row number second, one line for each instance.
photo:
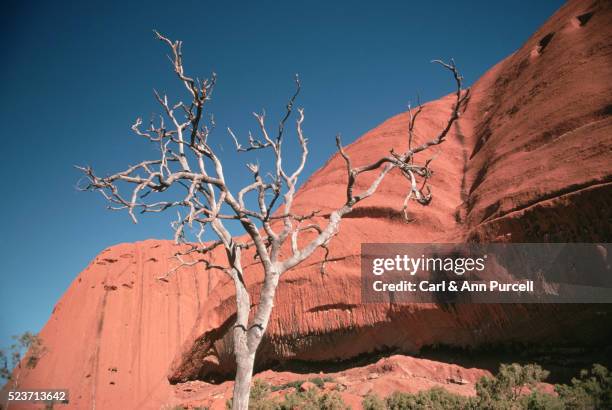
column 75, row 75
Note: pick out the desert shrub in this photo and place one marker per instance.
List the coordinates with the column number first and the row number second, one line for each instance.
column 259, row 391
column 373, row 402
column 258, row 397
column 512, row 388
column 320, row 381
column 264, row 404
column 307, row 400
column 433, row 399
column 311, row 400
column 332, row 401
column 591, row 390
column 303, row 400
column 537, row 400
column 507, row 388
column 294, row 384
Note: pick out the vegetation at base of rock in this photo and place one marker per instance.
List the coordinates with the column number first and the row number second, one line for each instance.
column 373, row 401
column 513, row 388
column 303, row 400
column 509, row 386
column 433, row 399
column 27, row 343
column 591, row 390
column 312, row 400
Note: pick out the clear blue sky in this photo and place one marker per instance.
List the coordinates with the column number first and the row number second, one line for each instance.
column 75, row 75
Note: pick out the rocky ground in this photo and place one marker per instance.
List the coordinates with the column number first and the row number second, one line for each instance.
column 387, row 375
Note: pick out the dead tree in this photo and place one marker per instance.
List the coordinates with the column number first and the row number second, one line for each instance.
column 188, row 162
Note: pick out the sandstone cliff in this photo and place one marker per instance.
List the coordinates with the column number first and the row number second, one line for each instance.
column 529, row 161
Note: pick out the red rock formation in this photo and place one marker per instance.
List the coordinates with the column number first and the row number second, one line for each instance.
column 530, row 160
column 112, row 335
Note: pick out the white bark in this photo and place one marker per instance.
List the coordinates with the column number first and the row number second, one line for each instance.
column 187, row 160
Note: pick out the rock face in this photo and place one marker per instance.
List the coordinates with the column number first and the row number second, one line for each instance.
column 112, row 335
column 530, row 160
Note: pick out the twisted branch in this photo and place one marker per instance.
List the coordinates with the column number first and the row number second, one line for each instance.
column 203, row 199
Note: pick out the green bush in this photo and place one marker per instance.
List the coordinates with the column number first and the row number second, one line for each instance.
column 308, row 400
column 320, row 381
column 537, row 400
column 507, row 389
column 433, row 399
column 311, row 400
column 592, row 390
column 373, row 402
column 259, row 391
column 258, row 397
column 332, row 401
column 514, row 387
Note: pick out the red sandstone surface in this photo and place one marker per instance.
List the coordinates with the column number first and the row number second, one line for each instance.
column 528, row 161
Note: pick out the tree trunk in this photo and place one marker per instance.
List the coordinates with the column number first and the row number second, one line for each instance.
column 242, row 384
column 248, row 337
column 244, row 358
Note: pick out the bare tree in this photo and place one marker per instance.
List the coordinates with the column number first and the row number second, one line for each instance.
column 188, row 161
